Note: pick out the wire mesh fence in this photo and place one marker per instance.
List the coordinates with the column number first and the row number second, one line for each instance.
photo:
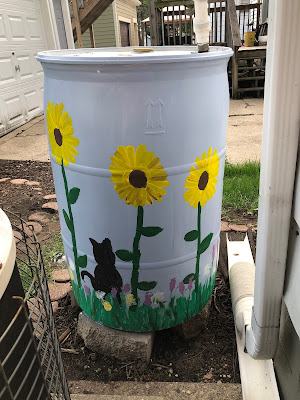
column 31, row 365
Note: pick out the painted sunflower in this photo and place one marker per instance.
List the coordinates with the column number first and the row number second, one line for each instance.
column 201, row 183
column 138, row 175
column 60, row 130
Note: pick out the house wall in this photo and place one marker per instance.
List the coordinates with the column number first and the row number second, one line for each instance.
column 125, row 11
column 104, row 31
column 287, row 359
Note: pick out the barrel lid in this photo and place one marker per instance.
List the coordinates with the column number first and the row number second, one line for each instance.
column 7, row 252
column 132, row 55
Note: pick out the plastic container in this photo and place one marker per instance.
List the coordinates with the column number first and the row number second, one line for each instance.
column 137, row 145
column 249, row 39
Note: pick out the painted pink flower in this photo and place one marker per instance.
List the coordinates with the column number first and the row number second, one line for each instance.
column 172, row 284
column 181, row 287
column 190, row 285
column 113, row 292
column 126, row 288
column 148, row 300
column 86, row 290
column 213, row 252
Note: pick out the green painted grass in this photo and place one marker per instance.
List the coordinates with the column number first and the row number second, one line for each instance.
column 241, row 187
column 145, row 318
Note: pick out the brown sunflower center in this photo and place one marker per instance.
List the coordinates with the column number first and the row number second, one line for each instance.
column 203, row 181
column 138, row 179
column 58, row 136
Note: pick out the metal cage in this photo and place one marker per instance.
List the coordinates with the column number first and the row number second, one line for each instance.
column 44, row 375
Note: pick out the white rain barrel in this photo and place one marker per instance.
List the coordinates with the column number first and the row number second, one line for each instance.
column 137, row 145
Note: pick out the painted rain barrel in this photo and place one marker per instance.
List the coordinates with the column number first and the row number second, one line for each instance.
column 137, row 146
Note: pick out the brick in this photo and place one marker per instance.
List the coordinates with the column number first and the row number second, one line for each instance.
column 61, row 275
column 50, row 197
column 58, row 290
column 37, row 228
column 32, row 183
column 113, row 342
column 194, row 326
column 238, row 228
column 18, row 181
column 225, row 226
column 39, row 217
column 52, row 205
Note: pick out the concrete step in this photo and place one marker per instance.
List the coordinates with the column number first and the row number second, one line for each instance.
column 89, row 390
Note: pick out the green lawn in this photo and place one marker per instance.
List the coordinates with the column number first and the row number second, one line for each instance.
column 241, row 187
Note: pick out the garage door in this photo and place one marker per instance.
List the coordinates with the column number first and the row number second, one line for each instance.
column 22, row 36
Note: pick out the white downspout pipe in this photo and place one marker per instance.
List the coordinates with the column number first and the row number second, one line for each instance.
column 201, row 25
column 281, row 128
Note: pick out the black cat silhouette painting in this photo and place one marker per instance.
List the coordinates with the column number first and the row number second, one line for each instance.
column 106, row 277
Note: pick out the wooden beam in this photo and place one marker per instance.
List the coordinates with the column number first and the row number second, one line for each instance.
column 153, row 22
column 77, row 23
column 174, row 3
column 91, row 11
column 92, row 36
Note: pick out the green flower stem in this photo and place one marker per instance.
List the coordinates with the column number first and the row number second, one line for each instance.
column 136, row 253
column 198, row 249
column 72, row 223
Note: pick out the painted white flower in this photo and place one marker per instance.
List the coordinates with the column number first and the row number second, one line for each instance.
column 214, row 268
column 158, row 297
column 71, row 268
column 100, row 295
column 207, row 269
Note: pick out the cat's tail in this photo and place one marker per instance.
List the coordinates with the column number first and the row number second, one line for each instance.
column 119, row 299
column 85, row 273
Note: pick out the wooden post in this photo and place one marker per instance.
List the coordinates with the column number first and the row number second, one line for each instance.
column 153, row 22
column 234, row 73
column 77, row 23
column 92, row 36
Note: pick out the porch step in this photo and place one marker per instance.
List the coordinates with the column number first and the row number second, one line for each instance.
column 251, row 56
column 154, row 391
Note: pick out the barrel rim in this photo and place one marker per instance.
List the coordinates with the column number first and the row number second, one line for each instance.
column 77, row 56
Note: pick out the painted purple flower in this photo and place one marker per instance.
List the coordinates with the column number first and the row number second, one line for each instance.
column 181, row 287
column 213, row 252
column 148, row 300
column 86, row 290
column 190, row 285
column 172, row 284
column 126, row 288
column 113, row 292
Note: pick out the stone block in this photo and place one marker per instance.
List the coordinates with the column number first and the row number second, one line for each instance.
column 194, row 326
column 113, row 342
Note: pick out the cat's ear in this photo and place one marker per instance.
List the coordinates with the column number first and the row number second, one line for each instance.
column 95, row 247
column 110, row 253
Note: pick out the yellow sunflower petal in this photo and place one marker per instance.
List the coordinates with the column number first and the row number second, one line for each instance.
column 138, row 175
column 201, row 188
column 63, row 142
